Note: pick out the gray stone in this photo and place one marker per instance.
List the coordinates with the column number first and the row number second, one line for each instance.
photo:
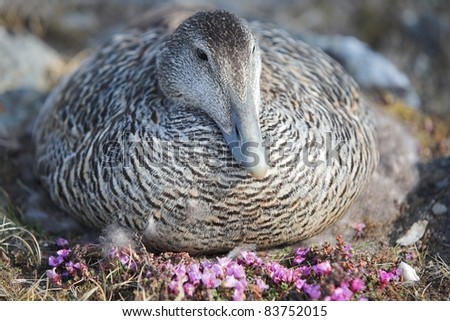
column 439, row 209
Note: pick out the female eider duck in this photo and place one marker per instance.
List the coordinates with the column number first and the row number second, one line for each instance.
column 218, row 134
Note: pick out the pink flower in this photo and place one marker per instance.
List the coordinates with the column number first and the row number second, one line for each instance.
column 174, row 287
column 261, row 284
column 180, row 271
column 124, row 259
column 250, row 258
column 300, row 255
column 223, row 261
column 359, row 228
column 348, row 249
column 55, row 261
column 194, row 274
column 81, row 267
column 71, row 268
column 238, row 295
column 189, row 289
column 386, row 277
column 62, row 242
column 312, row 290
column 239, row 290
column 217, row 269
column 358, row 285
column 236, row 270
column 230, row 281
column 300, row 283
column 304, row 271
column 64, row 253
column 280, row 274
column 342, row 293
column 54, row 277
column 323, row 268
column 209, row 280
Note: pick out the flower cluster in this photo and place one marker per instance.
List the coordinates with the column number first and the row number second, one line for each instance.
column 327, row 273
column 62, row 267
column 388, row 276
column 226, row 273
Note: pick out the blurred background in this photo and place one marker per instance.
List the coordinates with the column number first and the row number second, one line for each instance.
column 414, row 35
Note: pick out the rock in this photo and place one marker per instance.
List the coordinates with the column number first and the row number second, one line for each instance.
column 439, row 209
column 408, row 273
column 26, row 62
column 369, row 68
column 414, row 234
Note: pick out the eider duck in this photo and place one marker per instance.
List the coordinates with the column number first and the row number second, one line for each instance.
column 214, row 135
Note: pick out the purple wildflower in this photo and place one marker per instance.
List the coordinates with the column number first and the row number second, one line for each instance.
column 64, row 253
column 236, row 270
column 348, row 250
column 180, row 270
column 53, row 276
column 189, row 289
column 223, row 261
column 323, row 268
column 230, row 281
column 124, row 259
column 386, row 277
column 342, row 293
column 55, row 261
column 194, row 274
column 300, row 255
column 261, row 284
column 250, row 258
column 81, row 267
column 217, row 269
column 359, row 228
column 209, row 279
column 304, row 271
column 62, row 242
column 409, row 255
column 280, row 274
column 71, row 268
column 363, row 299
column 174, row 287
column 300, row 283
column 312, row 290
column 358, row 285
column 239, row 290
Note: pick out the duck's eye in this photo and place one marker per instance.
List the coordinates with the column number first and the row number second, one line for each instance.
column 201, row 55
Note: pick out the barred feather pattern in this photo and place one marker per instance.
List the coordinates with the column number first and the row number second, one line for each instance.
column 110, row 148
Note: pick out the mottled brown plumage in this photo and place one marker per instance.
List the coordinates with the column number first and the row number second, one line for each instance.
column 219, row 134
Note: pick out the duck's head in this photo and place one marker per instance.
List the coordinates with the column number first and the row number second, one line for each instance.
column 212, row 62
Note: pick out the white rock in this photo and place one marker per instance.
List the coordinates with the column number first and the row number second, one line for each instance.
column 439, row 209
column 414, row 234
column 408, row 273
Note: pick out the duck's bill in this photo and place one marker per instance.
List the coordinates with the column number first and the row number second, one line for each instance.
column 245, row 141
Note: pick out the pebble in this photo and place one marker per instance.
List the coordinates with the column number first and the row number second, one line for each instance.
column 439, row 209
column 408, row 272
column 414, row 234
